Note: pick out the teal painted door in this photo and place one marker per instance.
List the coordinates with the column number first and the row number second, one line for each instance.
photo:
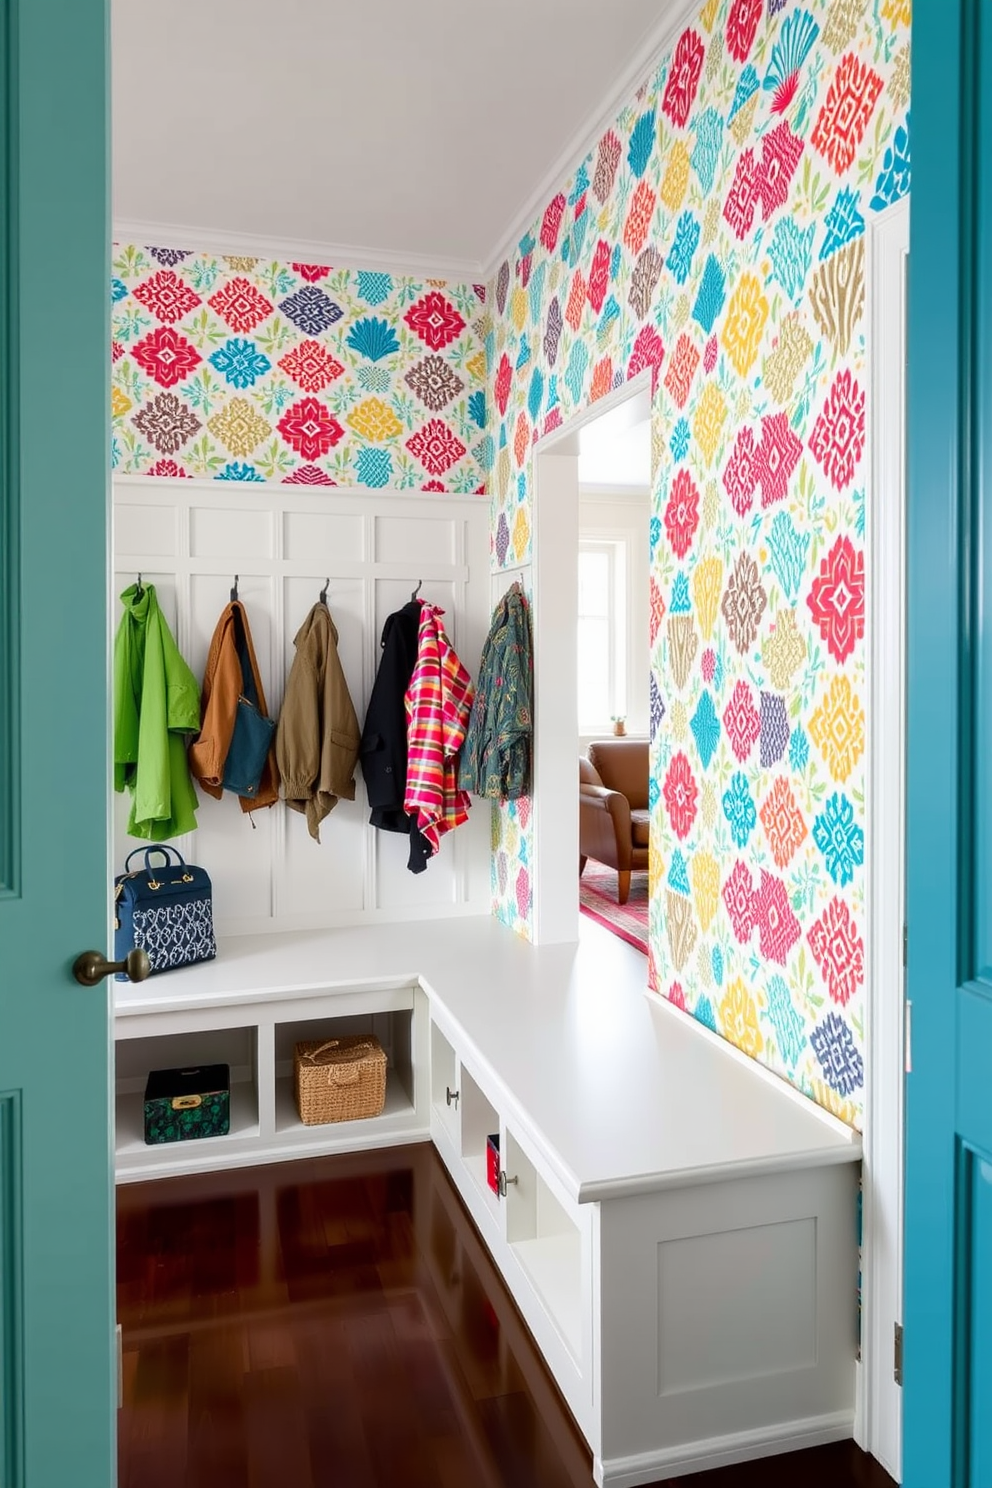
column 57, row 1374
column 947, row 1433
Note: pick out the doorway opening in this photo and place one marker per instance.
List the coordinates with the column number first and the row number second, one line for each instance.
column 555, row 575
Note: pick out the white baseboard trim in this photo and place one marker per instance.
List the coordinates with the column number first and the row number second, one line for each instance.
column 721, row 1451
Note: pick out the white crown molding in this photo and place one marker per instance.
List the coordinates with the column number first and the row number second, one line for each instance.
column 252, row 493
column 297, row 250
column 657, row 42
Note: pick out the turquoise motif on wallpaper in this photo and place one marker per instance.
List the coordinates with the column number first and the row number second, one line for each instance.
column 241, row 369
column 715, row 239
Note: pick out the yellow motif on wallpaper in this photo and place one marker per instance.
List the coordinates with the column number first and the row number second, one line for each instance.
column 739, row 1019
column 711, row 505
column 834, row 1103
column 679, row 727
column 783, row 365
column 119, row 403
column 676, row 177
column 704, row 872
column 708, row 806
column 707, row 586
column 374, row 420
column 656, row 866
column 899, row 86
column 238, row 427
column 711, row 220
column 784, row 650
column 745, row 323
column 476, row 365
column 711, row 412
column 521, row 534
column 837, row 728
column 708, row 15
column 518, row 307
column 843, row 21
column 742, row 123
column 503, row 473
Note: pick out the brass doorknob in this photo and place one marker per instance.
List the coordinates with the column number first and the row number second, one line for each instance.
column 91, row 967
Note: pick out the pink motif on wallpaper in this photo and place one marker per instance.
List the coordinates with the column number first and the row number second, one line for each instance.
column 715, row 236
column 244, row 369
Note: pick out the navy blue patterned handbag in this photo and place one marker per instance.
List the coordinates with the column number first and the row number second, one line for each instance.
column 166, row 911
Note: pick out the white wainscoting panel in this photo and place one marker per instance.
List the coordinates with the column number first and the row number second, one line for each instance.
column 189, row 539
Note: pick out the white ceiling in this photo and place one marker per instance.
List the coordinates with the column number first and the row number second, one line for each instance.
column 410, row 133
column 618, row 462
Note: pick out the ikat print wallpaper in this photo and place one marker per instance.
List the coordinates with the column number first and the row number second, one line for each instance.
column 244, row 369
column 716, row 235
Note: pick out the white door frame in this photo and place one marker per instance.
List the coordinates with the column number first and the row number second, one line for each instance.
column 879, row 1406
column 555, row 548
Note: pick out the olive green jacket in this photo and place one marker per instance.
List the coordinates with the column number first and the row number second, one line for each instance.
column 318, row 734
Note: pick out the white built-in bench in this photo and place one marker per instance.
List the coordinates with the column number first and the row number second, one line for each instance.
column 678, row 1227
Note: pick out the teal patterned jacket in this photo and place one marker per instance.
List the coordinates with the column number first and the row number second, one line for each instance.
column 496, row 755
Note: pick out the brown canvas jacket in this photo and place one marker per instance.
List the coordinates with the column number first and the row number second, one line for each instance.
column 318, row 735
column 218, row 706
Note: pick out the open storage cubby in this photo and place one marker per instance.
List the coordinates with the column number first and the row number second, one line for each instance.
column 182, row 1022
column 479, row 1121
column 393, row 1029
column 137, row 1057
column 445, row 1094
column 546, row 1241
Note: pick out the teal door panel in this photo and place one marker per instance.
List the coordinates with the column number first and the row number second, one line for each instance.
column 947, row 1432
column 57, row 1356
column 978, row 1316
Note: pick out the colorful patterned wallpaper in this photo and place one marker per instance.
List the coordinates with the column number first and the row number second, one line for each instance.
column 244, row 369
column 716, row 235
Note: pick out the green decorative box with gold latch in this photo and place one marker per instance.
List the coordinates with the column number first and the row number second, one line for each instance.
column 181, row 1104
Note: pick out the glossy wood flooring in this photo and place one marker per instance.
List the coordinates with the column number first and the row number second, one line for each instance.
column 338, row 1324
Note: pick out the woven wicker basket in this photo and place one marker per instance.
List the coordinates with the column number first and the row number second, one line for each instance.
column 340, row 1079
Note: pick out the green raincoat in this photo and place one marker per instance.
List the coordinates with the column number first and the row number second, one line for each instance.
column 156, row 704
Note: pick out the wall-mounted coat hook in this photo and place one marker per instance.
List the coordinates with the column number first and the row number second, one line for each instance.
column 234, row 591
column 138, row 590
column 323, row 592
column 420, row 585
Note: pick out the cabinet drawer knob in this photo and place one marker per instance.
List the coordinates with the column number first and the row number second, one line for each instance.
column 504, row 1182
column 451, row 1095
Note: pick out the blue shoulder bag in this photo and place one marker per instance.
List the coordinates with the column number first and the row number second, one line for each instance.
column 253, row 731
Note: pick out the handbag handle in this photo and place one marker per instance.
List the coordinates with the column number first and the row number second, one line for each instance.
column 165, row 851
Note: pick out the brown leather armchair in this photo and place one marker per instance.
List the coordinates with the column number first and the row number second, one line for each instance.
column 613, row 807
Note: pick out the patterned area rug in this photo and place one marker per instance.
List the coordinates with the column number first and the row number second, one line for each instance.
column 598, row 900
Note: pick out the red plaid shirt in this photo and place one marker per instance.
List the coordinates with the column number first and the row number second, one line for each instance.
column 438, row 705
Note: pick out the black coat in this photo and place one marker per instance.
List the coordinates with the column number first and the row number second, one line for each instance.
column 383, row 750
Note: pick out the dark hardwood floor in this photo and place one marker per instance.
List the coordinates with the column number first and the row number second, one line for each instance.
column 338, row 1324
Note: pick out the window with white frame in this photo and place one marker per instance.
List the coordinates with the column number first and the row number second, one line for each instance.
column 602, row 637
